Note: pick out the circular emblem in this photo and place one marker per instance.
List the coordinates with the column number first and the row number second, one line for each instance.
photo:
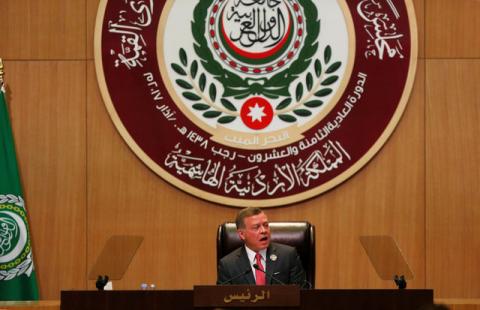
column 15, row 250
column 255, row 102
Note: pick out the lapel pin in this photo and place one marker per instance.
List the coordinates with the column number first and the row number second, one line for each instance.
column 273, row 257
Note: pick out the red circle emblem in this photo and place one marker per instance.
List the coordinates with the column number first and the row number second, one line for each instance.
column 256, row 113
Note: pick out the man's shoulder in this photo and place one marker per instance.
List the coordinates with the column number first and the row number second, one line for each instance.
column 282, row 247
column 233, row 255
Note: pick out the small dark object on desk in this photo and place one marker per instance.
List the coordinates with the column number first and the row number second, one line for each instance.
column 101, row 282
column 400, row 282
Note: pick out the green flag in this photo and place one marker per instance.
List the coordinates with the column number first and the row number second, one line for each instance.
column 17, row 275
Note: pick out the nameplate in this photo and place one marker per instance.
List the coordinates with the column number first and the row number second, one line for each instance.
column 246, row 296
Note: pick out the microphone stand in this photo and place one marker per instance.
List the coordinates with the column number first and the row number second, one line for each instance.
column 268, row 274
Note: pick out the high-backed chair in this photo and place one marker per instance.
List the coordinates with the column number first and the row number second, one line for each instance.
column 300, row 235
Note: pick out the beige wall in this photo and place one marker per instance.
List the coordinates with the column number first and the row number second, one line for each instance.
column 83, row 184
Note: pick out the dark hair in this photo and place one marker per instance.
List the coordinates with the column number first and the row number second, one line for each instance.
column 250, row 211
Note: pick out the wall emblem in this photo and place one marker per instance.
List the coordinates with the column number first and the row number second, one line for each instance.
column 255, row 102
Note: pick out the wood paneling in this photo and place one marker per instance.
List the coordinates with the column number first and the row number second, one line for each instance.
column 453, row 176
column 452, row 28
column 420, row 13
column 463, row 307
column 92, row 6
column 47, row 29
column 460, row 304
column 47, row 103
column 384, row 198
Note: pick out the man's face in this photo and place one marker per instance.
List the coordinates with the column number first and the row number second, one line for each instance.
column 256, row 233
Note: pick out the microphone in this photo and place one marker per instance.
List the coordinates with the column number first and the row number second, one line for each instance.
column 268, row 274
column 400, row 282
column 101, row 282
column 308, row 283
column 236, row 277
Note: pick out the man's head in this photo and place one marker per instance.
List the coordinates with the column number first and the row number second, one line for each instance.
column 253, row 228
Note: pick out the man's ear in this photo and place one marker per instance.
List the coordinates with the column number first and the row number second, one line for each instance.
column 241, row 234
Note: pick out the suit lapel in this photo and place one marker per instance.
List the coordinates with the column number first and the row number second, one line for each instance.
column 244, row 263
column 271, row 265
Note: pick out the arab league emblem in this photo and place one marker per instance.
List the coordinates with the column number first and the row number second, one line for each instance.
column 255, row 102
column 15, row 248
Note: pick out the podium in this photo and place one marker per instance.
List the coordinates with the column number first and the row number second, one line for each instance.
column 308, row 299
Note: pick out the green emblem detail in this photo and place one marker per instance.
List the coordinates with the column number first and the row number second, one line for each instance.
column 308, row 94
column 194, row 91
column 9, row 233
column 15, row 249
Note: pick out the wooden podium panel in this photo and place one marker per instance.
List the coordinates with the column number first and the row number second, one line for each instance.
column 309, row 299
column 126, row 300
column 366, row 299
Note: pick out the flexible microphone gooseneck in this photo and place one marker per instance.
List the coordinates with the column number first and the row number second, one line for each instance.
column 309, row 285
column 236, row 277
column 268, row 274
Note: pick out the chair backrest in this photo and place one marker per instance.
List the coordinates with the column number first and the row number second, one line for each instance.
column 300, row 235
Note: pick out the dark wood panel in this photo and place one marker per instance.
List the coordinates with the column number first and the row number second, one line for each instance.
column 309, row 299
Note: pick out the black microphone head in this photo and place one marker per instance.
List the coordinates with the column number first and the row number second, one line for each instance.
column 101, row 282
column 256, row 266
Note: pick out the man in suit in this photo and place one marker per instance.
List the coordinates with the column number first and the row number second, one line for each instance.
column 259, row 261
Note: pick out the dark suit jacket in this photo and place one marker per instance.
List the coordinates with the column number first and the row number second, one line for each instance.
column 287, row 267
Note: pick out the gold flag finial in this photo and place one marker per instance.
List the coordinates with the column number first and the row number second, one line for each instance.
column 1, row 70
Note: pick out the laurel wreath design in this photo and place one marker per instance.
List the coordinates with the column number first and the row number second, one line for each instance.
column 9, row 198
column 195, row 85
column 315, row 91
column 239, row 88
column 304, row 101
column 24, row 267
